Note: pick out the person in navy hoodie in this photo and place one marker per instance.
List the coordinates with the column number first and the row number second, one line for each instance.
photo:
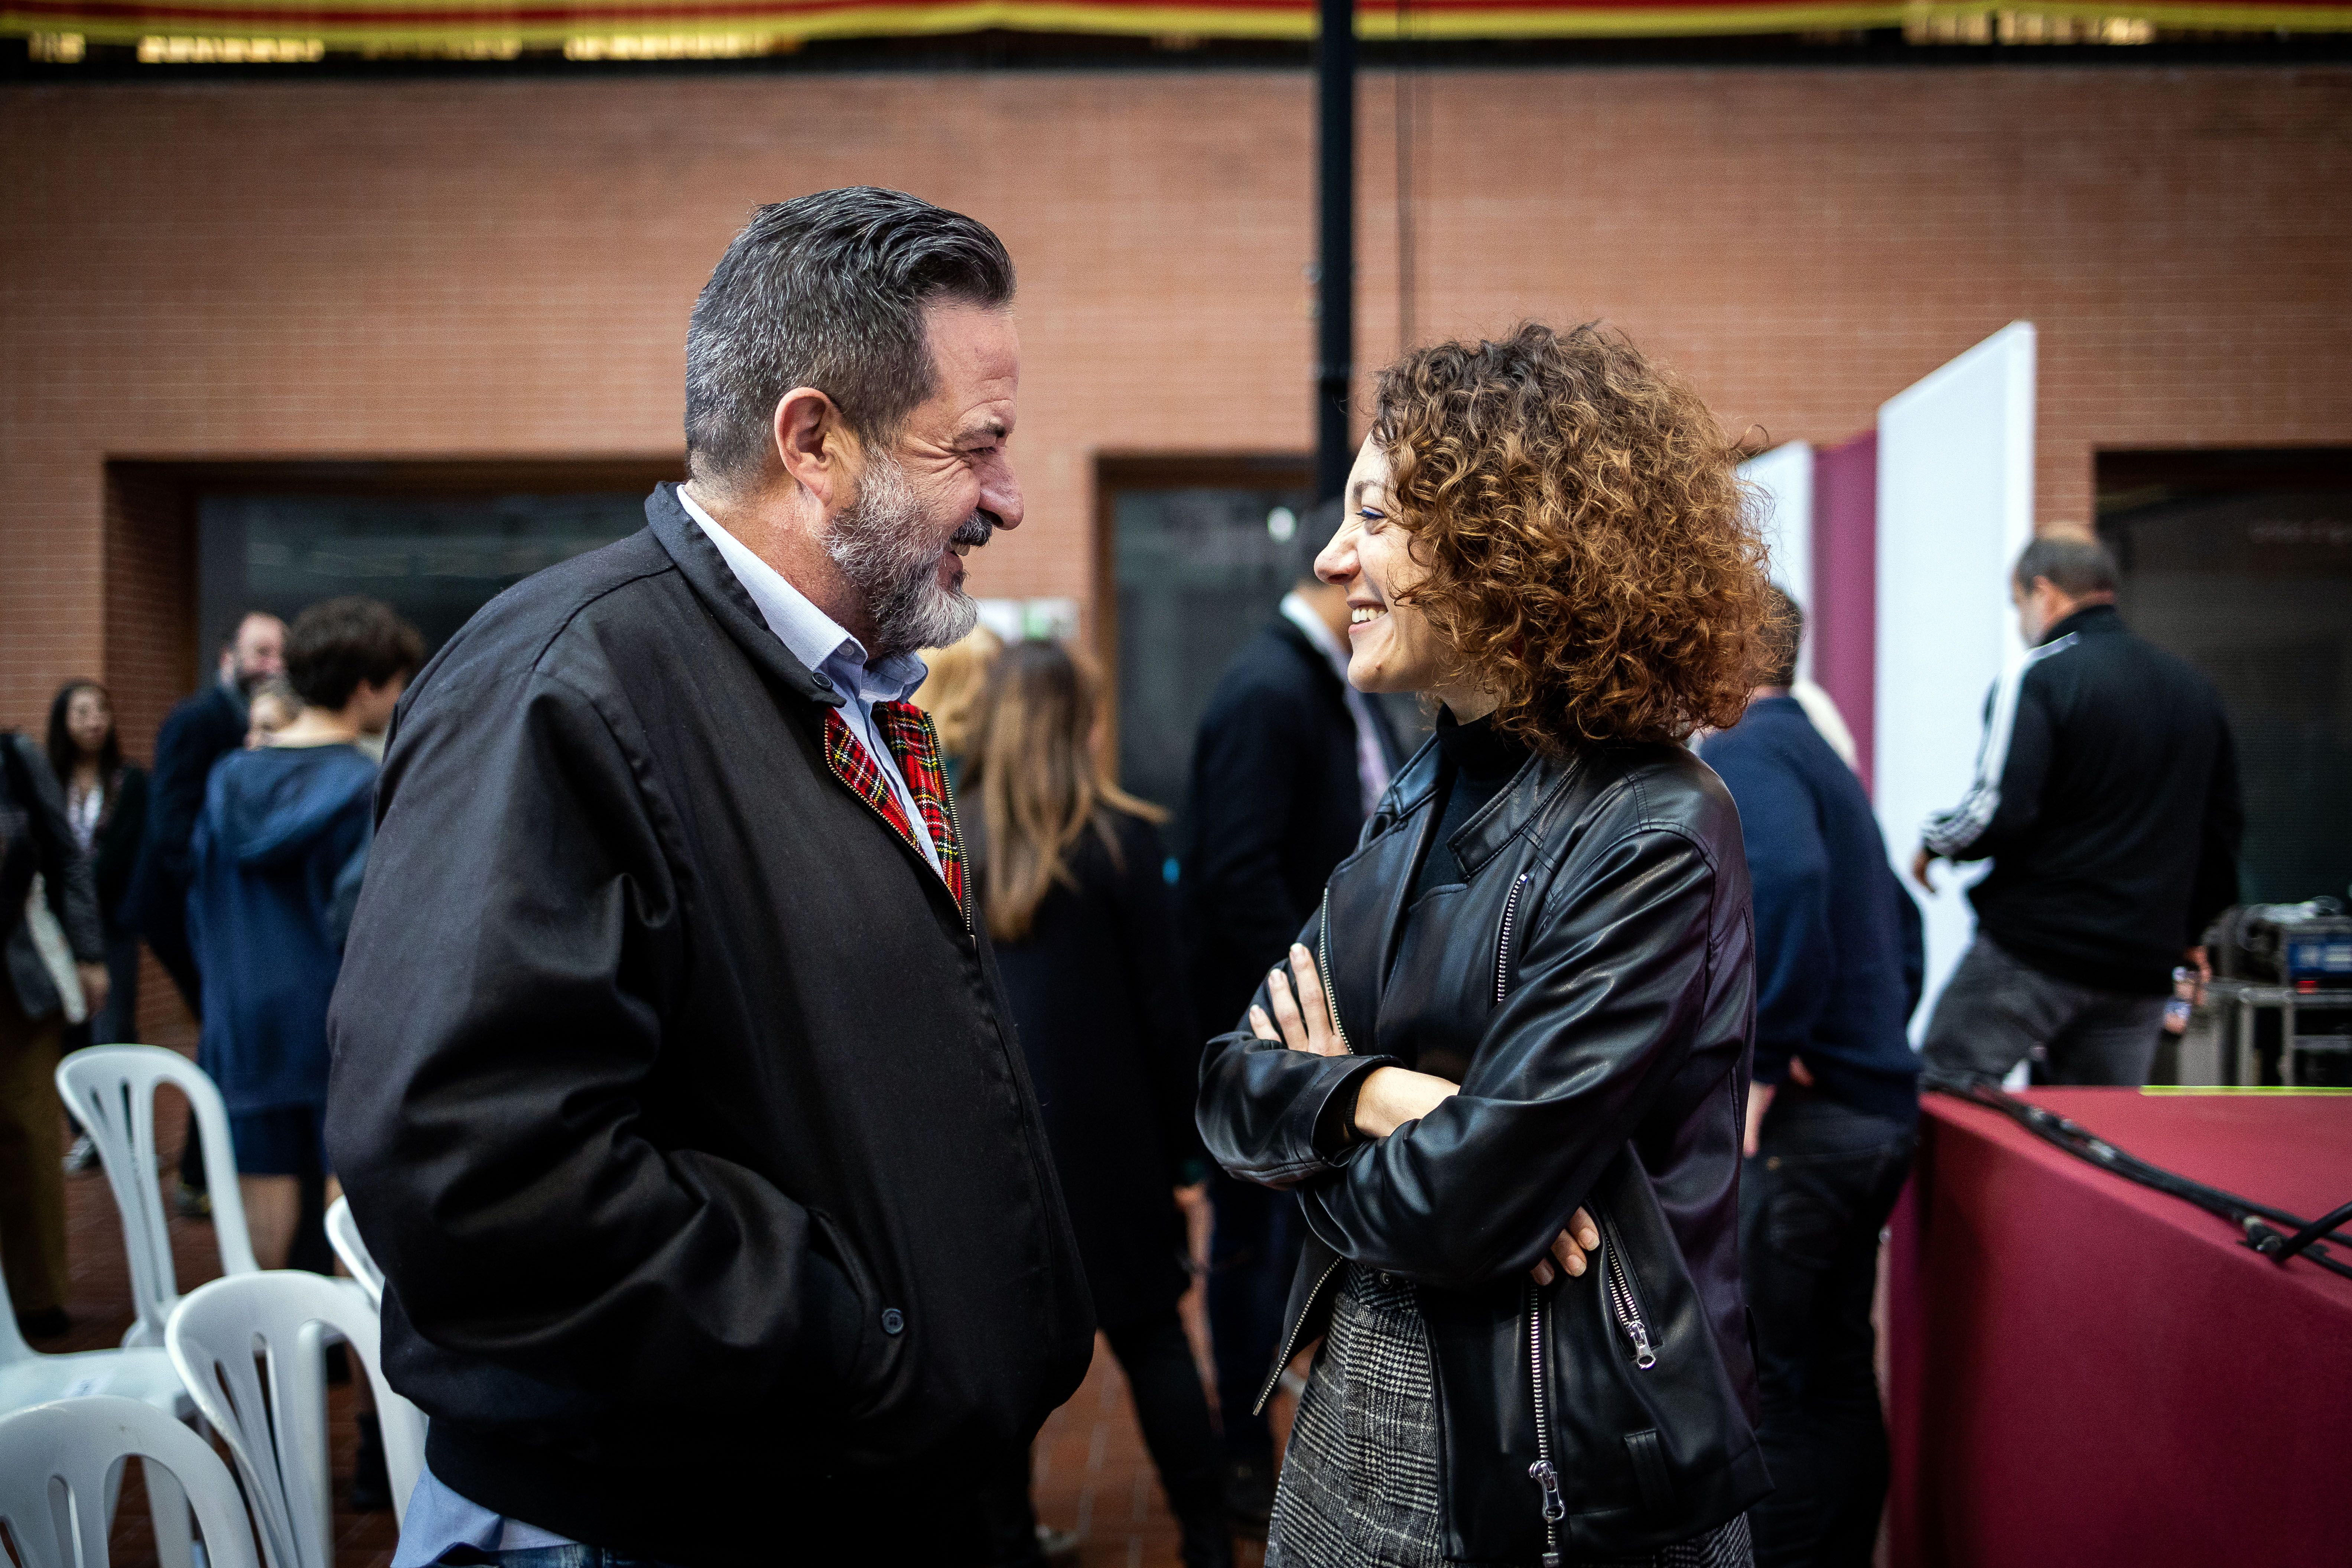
column 277, row 860
column 1831, row 1112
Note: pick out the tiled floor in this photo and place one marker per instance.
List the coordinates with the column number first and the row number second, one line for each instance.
column 1092, row 1476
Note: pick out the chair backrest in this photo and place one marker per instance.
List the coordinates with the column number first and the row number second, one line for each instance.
column 277, row 1433
column 79, row 1442
column 343, row 1235
column 111, row 1089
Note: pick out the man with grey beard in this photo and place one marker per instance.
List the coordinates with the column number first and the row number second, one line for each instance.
column 675, row 1088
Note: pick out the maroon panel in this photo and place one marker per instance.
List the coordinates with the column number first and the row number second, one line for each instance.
column 1842, row 619
column 2084, row 1370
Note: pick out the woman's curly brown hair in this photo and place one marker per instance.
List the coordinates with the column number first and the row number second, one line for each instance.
column 1593, row 557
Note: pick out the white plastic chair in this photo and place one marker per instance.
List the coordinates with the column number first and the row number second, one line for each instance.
column 81, row 1443
column 29, row 1378
column 110, row 1090
column 343, row 1235
column 277, row 1433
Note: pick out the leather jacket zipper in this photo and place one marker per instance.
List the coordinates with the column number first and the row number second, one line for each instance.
column 1290, row 1341
column 1623, row 1301
column 1543, row 1472
column 1331, row 1004
column 1323, row 967
column 1545, row 1475
column 1503, row 943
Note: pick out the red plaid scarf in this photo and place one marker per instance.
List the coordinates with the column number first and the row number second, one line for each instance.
column 907, row 730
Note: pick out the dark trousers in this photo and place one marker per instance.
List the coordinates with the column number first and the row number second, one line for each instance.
column 32, row 1180
column 117, row 1021
column 1252, row 1257
column 1811, row 1202
column 1997, row 1010
column 1174, row 1411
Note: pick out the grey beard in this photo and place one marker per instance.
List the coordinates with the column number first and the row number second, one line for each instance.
column 880, row 542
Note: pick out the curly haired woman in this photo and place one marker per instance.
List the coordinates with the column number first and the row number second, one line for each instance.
column 1507, row 1068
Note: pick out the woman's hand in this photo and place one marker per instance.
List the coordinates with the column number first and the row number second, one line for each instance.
column 1568, row 1247
column 1390, row 1096
column 1303, row 1013
column 1393, row 1096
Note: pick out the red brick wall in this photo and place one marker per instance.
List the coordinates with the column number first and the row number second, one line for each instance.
column 502, row 267
column 150, row 651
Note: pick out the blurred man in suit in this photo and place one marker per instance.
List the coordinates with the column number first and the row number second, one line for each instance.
column 1288, row 762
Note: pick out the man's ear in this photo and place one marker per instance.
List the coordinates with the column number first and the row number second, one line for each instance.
column 814, row 445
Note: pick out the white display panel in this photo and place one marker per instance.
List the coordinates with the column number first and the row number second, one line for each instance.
column 1955, row 506
column 1785, row 475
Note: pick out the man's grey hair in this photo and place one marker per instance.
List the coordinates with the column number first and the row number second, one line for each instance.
column 2074, row 566
column 1784, row 635
column 827, row 290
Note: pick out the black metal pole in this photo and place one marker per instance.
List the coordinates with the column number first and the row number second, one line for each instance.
column 1335, row 322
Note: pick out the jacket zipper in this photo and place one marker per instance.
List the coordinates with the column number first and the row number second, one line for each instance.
column 1331, row 998
column 1290, row 1341
column 1626, row 1305
column 1542, row 1472
column 1503, row 946
column 1331, row 1004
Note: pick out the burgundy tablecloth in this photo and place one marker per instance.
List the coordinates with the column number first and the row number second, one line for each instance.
column 2086, row 1370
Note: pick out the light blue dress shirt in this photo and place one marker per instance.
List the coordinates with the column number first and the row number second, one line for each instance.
column 812, row 637
column 439, row 1520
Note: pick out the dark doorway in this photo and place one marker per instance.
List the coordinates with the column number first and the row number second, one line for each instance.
column 1195, row 569
column 436, row 542
column 1195, row 555
column 2242, row 563
column 190, row 543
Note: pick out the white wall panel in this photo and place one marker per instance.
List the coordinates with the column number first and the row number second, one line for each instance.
column 1785, row 476
column 1955, row 506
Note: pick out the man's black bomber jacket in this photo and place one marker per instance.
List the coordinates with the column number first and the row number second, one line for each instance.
column 677, row 1098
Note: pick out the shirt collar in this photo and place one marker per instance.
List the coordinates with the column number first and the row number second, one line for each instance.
column 808, row 633
column 1301, row 614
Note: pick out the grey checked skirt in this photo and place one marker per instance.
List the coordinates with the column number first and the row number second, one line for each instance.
column 1360, row 1483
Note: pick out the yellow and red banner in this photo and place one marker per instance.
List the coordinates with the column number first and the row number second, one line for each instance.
column 260, row 30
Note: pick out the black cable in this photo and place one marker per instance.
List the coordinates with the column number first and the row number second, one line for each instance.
column 2312, row 1232
column 2243, row 1213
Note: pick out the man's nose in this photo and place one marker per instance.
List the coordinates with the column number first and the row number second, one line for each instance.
column 999, row 496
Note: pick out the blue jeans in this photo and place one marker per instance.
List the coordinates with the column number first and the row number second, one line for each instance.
column 1811, row 1202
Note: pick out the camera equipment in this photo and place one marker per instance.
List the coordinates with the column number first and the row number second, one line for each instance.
column 2284, row 971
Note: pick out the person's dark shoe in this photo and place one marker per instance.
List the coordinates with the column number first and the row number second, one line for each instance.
column 1059, row 1548
column 193, row 1202
column 371, row 1482
column 47, row 1323
column 1249, row 1496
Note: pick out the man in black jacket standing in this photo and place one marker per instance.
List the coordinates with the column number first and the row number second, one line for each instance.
column 1288, row 762
column 197, row 732
column 674, row 1087
column 2106, row 797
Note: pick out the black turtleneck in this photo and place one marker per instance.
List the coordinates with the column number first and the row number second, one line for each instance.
column 1476, row 763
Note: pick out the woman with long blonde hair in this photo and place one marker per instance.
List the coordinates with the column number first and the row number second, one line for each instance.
column 1068, row 871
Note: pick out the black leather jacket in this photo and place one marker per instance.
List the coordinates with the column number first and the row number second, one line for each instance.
column 1591, row 987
